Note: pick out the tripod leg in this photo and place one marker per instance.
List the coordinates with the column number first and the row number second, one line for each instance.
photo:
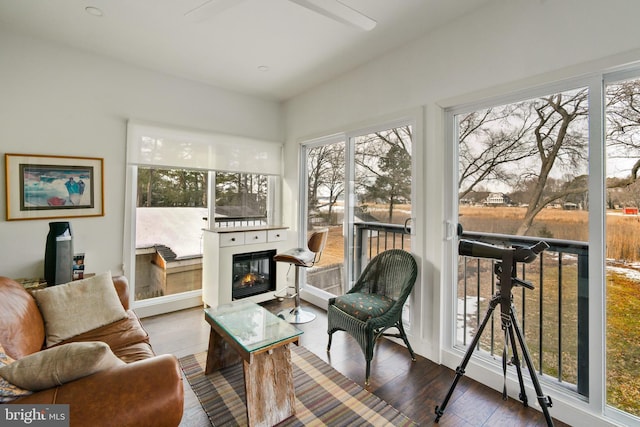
column 460, row 369
column 516, row 361
column 544, row 401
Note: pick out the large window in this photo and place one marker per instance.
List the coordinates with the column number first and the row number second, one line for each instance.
column 178, row 183
column 541, row 168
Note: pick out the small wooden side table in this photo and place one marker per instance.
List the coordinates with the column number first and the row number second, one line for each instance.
column 243, row 331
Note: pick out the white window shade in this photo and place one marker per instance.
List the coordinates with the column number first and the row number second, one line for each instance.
column 153, row 145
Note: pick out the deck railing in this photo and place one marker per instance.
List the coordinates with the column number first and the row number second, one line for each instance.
column 374, row 237
column 554, row 317
column 240, row 221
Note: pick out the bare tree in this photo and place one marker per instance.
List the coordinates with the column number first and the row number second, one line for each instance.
column 623, row 125
column 559, row 139
column 334, row 176
column 316, row 163
column 527, row 146
column 491, row 142
column 325, row 165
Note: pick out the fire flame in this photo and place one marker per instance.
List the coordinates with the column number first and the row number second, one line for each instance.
column 249, row 279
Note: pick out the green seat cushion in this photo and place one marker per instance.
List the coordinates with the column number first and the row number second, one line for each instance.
column 363, row 306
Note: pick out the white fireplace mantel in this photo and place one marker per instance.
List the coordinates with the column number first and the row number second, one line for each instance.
column 219, row 247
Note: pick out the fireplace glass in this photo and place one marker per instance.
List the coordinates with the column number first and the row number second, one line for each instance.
column 253, row 273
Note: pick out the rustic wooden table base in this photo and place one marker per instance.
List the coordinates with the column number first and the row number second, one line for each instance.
column 268, row 376
column 268, row 382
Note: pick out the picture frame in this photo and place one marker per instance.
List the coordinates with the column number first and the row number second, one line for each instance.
column 50, row 187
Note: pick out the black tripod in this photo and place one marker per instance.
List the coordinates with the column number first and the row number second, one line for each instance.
column 506, row 272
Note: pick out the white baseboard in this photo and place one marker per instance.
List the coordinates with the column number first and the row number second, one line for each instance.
column 167, row 304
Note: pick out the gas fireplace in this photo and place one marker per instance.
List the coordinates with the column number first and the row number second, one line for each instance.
column 253, row 273
column 230, row 253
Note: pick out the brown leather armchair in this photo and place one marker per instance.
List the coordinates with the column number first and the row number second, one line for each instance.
column 145, row 391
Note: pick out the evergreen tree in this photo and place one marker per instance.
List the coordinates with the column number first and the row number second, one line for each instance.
column 393, row 183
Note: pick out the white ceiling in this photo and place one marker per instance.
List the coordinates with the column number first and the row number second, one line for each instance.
column 301, row 48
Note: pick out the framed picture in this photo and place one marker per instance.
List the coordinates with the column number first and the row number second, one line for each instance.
column 47, row 187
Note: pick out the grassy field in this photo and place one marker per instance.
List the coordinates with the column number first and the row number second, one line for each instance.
column 623, row 342
column 550, row 223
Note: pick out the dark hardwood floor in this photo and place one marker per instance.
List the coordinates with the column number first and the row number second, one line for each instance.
column 414, row 388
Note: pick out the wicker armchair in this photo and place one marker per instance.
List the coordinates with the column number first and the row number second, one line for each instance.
column 375, row 302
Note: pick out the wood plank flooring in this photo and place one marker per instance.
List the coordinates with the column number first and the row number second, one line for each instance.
column 414, row 388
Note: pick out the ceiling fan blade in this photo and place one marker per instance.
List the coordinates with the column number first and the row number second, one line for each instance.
column 340, row 12
column 208, row 9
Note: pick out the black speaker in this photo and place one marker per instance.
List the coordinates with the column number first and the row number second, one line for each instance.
column 58, row 254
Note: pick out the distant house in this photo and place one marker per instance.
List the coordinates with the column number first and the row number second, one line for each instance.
column 497, row 199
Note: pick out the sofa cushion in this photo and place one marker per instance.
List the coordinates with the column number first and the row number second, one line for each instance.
column 127, row 338
column 77, row 307
column 59, row 365
column 9, row 391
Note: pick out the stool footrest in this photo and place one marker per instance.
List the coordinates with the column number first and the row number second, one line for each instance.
column 296, row 315
column 285, row 294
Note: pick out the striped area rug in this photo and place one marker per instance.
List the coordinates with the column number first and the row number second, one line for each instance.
column 324, row 397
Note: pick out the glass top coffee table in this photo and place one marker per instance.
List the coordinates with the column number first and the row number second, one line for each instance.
column 243, row 331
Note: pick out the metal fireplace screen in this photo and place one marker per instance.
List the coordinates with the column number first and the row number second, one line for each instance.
column 253, row 273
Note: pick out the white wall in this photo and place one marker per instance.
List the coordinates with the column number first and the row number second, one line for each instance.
column 59, row 101
column 509, row 45
column 505, row 42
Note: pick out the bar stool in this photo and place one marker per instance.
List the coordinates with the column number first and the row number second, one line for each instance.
column 302, row 258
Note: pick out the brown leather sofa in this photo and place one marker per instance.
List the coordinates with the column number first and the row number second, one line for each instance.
column 145, row 391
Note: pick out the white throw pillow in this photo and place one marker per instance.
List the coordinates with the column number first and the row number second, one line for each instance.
column 76, row 307
column 59, row 365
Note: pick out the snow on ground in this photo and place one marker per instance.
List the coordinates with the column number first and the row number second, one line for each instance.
column 632, row 271
column 472, row 308
column 178, row 228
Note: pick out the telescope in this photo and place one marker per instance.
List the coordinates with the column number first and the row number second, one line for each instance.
column 524, row 254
